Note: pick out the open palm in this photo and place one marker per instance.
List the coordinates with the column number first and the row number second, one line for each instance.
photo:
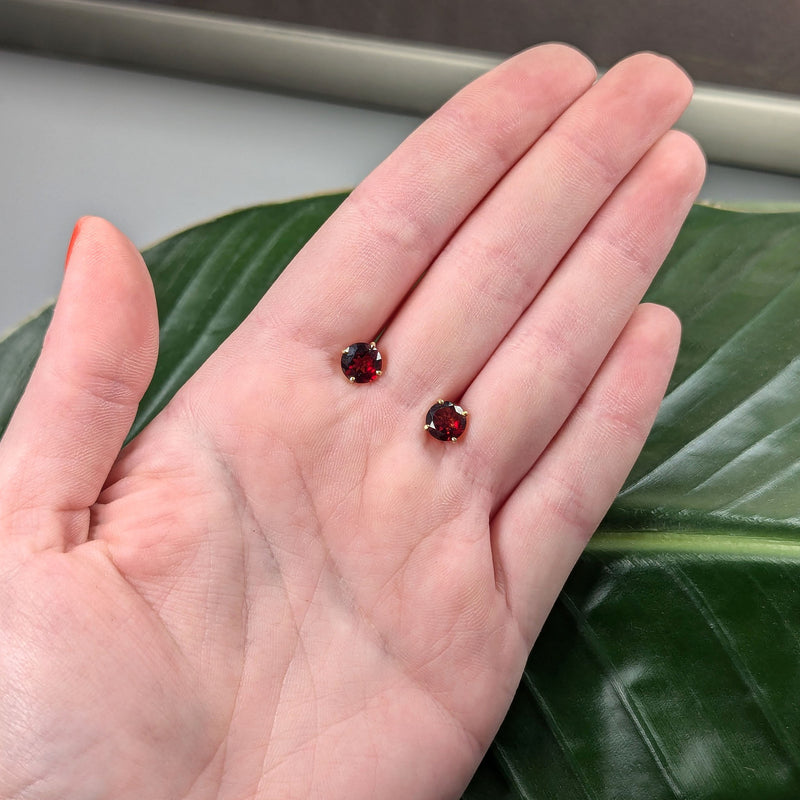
column 284, row 587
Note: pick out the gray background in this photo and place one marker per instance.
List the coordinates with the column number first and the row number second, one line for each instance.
column 153, row 155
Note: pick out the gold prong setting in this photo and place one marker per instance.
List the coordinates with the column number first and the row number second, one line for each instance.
column 446, row 421
column 362, row 363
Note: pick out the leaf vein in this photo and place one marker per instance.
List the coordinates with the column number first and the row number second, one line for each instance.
column 637, row 716
column 723, row 636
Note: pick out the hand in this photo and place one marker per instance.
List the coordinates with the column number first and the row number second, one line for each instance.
column 284, row 588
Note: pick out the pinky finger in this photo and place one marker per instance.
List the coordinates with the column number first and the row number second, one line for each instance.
column 540, row 532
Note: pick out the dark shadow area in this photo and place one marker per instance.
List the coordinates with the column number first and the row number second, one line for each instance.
column 734, row 42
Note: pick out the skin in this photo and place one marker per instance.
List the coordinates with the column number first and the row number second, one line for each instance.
column 284, row 588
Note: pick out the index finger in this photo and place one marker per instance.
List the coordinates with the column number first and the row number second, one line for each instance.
column 348, row 280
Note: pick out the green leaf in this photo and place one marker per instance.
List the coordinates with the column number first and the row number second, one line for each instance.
column 668, row 666
column 18, row 353
column 207, row 279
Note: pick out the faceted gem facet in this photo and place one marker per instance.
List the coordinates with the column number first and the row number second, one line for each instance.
column 446, row 421
column 361, row 362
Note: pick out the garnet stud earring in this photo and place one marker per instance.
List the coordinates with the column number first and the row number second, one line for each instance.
column 361, row 362
column 446, row 421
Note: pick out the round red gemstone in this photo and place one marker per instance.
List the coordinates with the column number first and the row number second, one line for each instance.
column 361, row 362
column 446, row 421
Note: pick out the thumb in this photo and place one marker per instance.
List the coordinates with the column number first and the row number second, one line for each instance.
column 96, row 363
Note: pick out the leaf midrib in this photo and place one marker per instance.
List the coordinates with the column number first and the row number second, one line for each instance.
column 720, row 543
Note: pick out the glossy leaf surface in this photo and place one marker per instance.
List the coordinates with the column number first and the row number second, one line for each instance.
column 670, row 664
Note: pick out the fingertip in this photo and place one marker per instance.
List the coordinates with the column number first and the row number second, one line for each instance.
column 564, row 56
column 663, row 78
column 105, row 272
column 688, row 160
column 554, row 66
column 663, row 67
column 76, row 232
column 664, row 317
column 95, row 239
column 659, row 328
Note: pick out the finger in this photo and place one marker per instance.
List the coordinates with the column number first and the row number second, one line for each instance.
column 507, row 249
column 540, row 371
column 348, row 280
column 541, row 530
column 97, row 360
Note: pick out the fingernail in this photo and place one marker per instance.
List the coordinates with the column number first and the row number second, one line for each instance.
column 76, row 232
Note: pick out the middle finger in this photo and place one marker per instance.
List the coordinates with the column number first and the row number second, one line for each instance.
column 507, row 248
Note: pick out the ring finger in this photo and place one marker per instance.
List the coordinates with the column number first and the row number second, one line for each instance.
column 544, row 365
